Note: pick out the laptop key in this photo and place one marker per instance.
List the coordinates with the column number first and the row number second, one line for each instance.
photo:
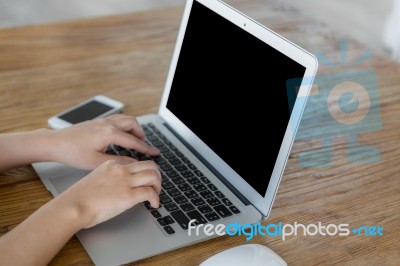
column 234, row 209
column 213, row 201
column 169, row 219
column 222, row 211
column 111, row 151
column 174, row 161
column 180, row 167
column 156, row 213
column 152, row 137
column 181, row 218
column 125, row 153
column 219, row 194
column 226, row 202
column 161, row 135
column 193, row 180
column 157, row 143
column 158, row 132
column 174, row 192
column 173, row 158
column 187, row 174
column 167, row 185
column 177, row 180
column 159, row 160
column 198, row 173
column 187, row 207
column 205, row 180
column 185, row 160
column 212, row 216
column 179, row 154
column 171, row 206
column 205, row 209
column 136, row 153
column 184, row 187
column 199, row 187
column 191, row 194
column 180, row 199
column 206, row 194
column 168, row 155
column 175, row 149
column 162, row 222
column 171, row 173
column 197, row 216
column 169, row 230
column 191, row 166
column 165, row 199
column 212, row 187
column 198, row 201
column 165, row 167
column 119, row 148
column 164, row 177
column 163, row 149
column 144, row 158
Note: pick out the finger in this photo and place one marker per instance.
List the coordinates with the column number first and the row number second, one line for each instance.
column 114, row 116
column 101, row 158
column 141, row 194
column 143, row 166
column 128, row 124
column 146, row 178
column 120, row 159
column 131, row 142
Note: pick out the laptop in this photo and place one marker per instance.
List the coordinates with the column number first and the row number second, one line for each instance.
column 227, row 83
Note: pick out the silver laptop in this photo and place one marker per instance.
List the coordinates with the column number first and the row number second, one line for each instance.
column 227, row 83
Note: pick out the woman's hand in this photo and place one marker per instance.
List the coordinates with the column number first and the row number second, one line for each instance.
column 83, row 145
column 106, row 192
column 113, row 188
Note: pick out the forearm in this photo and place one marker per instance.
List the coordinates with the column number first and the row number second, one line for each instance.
column 19, row 149
column 38, row 239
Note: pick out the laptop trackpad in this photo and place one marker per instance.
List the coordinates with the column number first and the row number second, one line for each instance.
column 58, row 175
column 67, row 178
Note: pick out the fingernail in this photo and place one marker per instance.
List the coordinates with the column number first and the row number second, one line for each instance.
column 155, row 205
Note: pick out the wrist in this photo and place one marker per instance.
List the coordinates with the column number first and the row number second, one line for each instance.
column 42, row 145
column 74, row 212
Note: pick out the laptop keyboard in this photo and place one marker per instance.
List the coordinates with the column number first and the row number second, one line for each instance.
column 186, row 193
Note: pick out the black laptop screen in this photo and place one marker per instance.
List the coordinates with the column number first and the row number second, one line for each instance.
column 228, row 87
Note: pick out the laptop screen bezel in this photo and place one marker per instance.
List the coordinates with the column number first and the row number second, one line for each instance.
column 262, row 202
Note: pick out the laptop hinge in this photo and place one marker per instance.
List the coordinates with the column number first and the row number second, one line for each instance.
column 210, row 167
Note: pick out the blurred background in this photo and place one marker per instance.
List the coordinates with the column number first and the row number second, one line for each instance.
column 376, row 24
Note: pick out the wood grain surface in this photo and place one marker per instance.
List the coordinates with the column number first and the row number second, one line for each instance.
column 48, row 68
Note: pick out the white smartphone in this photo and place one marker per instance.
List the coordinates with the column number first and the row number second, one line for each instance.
column 96, row 107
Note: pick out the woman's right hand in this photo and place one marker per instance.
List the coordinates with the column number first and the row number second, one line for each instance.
column 111, row 189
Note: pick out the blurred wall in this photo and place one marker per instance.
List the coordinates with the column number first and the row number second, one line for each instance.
column 373, row 23
column 363, row 20
column 24, row 12
column 391, row 35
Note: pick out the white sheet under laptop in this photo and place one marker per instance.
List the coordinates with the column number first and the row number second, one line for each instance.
column 211, row 113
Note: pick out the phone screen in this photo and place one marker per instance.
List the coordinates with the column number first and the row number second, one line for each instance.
column 86, row 112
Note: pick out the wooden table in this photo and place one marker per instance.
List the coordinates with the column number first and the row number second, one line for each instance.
column 46, row 69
